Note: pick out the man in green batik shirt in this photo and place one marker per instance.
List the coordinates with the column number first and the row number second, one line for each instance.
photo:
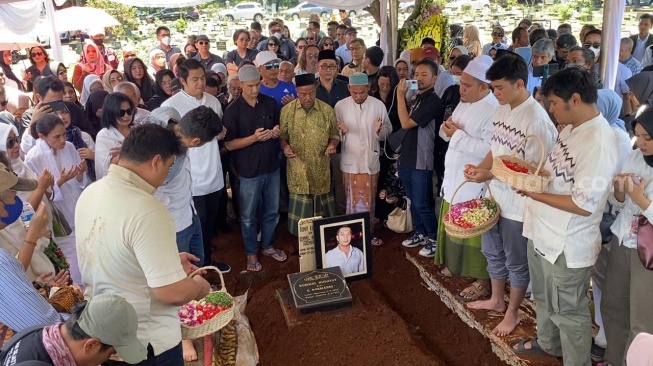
column 309, row 135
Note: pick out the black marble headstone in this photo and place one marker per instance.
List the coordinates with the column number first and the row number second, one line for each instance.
column 319, row 289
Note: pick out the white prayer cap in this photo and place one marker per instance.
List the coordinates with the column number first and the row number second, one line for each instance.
column 478, row 67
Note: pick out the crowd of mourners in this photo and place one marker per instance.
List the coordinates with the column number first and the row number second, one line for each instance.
column 113, row 179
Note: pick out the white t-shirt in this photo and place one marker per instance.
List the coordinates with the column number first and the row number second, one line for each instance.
column 177, row 196
column 510, row 127
column 205, row 163
column 582, row 165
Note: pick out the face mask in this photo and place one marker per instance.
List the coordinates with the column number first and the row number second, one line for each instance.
column 14, row 211
column 278, row 35
column 456, row 79
column 191, row 54
column 596, row 50
column 160, row 61
column 98, row 41
column 165, row 41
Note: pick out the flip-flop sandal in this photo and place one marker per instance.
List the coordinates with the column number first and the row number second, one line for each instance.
column 254, row 264
column 444, row 272
column 474, row 292
column 278, row 255
column 534, row 350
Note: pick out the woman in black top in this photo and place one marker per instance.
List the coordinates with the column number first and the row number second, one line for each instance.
column 136, row 72
column 162, row 89
column 241, row 39
column 39, row 59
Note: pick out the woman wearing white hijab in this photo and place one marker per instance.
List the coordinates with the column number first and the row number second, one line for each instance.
column 12, row 237
column 91, row 83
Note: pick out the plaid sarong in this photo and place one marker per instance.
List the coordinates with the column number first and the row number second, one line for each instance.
column 303, row 206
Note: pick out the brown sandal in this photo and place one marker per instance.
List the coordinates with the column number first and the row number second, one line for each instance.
column 474, row 292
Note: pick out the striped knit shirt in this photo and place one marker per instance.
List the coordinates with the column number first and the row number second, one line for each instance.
column 21, row 306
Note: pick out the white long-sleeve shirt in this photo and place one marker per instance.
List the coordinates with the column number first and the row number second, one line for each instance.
column 106, row 139
column 510, row 127
column 360, row 145
column 582, row 165
column 625, row 226
column 468, row 145
column 205, row 163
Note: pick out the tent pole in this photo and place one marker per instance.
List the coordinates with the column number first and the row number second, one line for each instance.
column 55, row 42
column 393, row 31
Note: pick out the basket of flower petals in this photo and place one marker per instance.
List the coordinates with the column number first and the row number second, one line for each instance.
column 471, row 218
column 519, row 174
column 208, row 315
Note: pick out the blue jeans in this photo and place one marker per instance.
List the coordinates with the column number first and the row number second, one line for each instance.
column 418, row 185
column 263, row 191
column 190, row 240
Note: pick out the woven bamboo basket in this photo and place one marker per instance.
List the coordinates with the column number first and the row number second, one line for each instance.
column 214, row 324
column 535, row 181
column 463, row 233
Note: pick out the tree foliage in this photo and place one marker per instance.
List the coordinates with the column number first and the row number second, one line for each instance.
column 125, row 14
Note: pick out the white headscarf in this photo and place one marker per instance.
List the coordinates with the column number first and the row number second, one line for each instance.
column 89, row 80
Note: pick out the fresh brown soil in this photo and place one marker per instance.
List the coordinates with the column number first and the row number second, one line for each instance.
column 394, row 319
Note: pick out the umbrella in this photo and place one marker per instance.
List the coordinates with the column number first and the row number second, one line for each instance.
column 77, row 17
column 10, row 41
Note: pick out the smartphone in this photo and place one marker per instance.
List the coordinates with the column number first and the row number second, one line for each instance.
column 57, row 105
column 412, row 85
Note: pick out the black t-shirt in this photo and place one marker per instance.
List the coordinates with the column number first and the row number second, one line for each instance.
column 241, row 121
column 29, row 348
column 417, row 148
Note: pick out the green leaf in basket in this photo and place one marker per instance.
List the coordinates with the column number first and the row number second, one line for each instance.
column 219, row 298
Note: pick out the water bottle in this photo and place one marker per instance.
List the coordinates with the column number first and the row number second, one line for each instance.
column 26, row 215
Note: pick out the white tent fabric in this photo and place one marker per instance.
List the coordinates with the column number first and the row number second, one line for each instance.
column 611, row 37
column 20, row 17
column 161, row 3
column 341, row 4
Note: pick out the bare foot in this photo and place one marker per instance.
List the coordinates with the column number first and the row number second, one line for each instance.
column 490, row 304
column 507, row 325
column 190, row 354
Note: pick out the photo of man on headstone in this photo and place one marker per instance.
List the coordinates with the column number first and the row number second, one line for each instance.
column 345, row 255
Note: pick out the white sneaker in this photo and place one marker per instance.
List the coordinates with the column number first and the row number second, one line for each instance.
column 414, row 241
column 429, row 250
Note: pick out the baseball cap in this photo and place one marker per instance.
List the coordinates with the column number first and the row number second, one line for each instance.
column 202, row 37
column 112, row 320
column 351, row 30
column 264, row 57
column 219, row 68
column 10, row 182
column 430, row 52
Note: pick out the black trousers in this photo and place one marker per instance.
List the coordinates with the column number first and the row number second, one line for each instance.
column 207, row 208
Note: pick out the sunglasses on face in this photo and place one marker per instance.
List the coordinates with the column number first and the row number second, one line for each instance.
column 123, row 112
column 12, row 141
column 37, row 54
column 273, row 45
column 310, row 38
column 328, row 44
column 4, row 103
column 588, row 45
column 271, row 66
column 202, row 43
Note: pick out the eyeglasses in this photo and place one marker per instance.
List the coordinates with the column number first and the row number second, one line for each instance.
column 12, row 141
column 273, row 45
column 497, row 34
column 312, row 57
column 271, row 66
column 328, row 44
column 355, row 48
column 589, row 45
column 328, row 67
column 202, row 43
column 123, row 112
column 37, row 54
